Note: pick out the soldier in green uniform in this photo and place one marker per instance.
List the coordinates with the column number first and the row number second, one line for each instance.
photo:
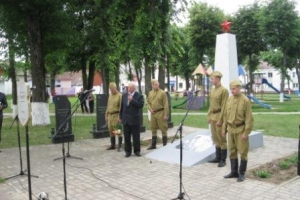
column 112, row 116
column 217, row 99
column 238, row 123
column 157, row 104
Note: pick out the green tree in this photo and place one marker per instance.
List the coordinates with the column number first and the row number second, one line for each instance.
column 40, row 19
column 245, row 26
column 279, row 25
column 204, row 25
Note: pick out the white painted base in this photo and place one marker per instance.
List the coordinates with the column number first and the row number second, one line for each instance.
column 40, row 113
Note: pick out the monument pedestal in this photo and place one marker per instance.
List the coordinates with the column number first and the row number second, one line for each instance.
column 198, row 148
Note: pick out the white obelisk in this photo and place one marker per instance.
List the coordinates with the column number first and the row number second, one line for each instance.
column 226, row 58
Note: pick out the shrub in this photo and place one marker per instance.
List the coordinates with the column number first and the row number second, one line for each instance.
column 263, row 174
column 285, row 164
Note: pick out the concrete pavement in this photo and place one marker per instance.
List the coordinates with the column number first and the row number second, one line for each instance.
column 103, row 175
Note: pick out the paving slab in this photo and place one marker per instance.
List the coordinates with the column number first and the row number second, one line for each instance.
column 104, row 175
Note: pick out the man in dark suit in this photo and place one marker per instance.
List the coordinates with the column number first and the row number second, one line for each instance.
column 132, row 102
column 3, row 105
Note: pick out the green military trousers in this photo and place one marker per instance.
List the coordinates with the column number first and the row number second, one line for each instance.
column 158, row 122
column 237, row 145
column 216, row 132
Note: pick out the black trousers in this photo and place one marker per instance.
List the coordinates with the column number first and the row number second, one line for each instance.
column 84, row 107
column 133, row 131
column 1, row 120
column 91, row 105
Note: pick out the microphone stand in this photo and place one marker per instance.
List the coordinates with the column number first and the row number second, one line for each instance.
column 181, row 194
column 63, row 144
column 22, row 172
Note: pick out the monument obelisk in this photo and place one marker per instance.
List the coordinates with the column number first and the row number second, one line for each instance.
column 226, row 55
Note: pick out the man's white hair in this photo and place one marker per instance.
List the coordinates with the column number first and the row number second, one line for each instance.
column 132, row 84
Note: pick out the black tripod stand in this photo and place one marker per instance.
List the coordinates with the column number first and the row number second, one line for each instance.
column 68, row 155
column 181, row 194
column 62, row 129
column 22, row 172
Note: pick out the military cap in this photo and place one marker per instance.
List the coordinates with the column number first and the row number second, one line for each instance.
column 112, row 85
column 216, row 74
column 235, row 83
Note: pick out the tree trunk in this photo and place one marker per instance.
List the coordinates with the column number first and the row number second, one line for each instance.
column 168, row 73
column 52, row 81
column 138, row 71
column 117, row 76
column 298, row 75
column 40, row 108
column 90, row 80
column 152, row 69
column 105, row 79
column 161, row 77
column 130, row 75
column 187, row 83
column 12, row 75
column 147, row 76
column 83, row 73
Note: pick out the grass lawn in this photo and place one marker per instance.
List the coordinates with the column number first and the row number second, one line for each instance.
column 275, row 125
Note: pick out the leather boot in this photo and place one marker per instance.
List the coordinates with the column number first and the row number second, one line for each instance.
column 153, row 144
column 222, row 162
column 218, row 156
column 165, row 140
column 234, row 169
column 120, row 144
column 112, row 143
column 242, row 170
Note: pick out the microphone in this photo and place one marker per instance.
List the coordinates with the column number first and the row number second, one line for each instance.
column 196, row 91
column 88, row 91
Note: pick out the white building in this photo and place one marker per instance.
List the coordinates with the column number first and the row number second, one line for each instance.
column 273, row 77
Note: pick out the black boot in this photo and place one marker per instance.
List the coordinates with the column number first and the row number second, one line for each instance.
column 234, row 169
column 218, row 156
column 112, row 143
column 242, row 170
column 120, row 144
column 222, row 162
column 153, row 145
column 165, row 140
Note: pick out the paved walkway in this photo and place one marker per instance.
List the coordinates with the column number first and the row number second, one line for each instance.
column 108, row 175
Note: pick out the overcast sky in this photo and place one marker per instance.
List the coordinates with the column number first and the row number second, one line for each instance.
column 229, row 6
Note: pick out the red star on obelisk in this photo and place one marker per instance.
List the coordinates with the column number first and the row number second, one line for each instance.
column 226, row 26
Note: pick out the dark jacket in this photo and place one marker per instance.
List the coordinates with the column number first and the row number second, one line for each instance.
column 130, row 114
column 3, row 103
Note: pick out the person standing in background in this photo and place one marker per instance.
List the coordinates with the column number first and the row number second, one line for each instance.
column 82, row 98
column 3, row 105
column 91, row 102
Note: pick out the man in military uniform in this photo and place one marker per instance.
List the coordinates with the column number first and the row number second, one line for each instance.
column 112, row 116
column 217, row 99
column 238, row 123
column 157, row 104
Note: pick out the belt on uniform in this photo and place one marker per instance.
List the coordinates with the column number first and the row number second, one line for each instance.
column 237, row 125
column 216, row 111
column 160, row 109
column 111, row 113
